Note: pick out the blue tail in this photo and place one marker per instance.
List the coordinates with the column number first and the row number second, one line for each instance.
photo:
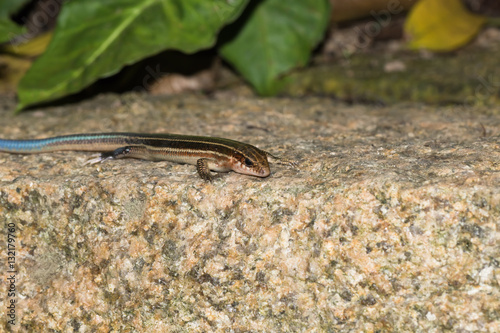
column 24, row 146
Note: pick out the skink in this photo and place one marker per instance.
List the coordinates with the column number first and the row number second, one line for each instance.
column 207, row 153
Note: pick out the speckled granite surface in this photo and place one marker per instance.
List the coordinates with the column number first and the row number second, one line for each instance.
column 390, row 224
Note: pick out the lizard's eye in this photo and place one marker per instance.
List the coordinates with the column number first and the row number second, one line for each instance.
column 248, row 162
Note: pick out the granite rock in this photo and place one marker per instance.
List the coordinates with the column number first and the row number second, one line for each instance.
column 391, row 222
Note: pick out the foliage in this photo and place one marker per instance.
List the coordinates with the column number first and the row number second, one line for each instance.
column 95, row 39
column 441, row 25
column 9, row 29
column 278, row 36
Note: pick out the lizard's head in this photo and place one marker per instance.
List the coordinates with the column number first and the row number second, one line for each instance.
column 250, row 160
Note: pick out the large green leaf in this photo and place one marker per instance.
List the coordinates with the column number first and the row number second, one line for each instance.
column 277, row 37
column 96, row 38
column 8, row 29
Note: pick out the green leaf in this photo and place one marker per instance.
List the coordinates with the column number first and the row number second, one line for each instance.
column 95, row 39
column 8, row 29
column 277, row 37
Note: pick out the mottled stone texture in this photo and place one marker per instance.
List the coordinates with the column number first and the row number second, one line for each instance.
column 391, row 222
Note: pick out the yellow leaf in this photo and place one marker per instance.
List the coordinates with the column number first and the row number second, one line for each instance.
column 441, row 25
column 12, row 69
column 30, row 48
